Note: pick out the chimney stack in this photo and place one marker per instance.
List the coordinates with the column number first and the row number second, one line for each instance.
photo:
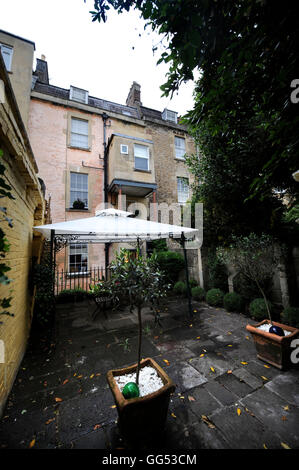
column 41, row 70
column 134, row 96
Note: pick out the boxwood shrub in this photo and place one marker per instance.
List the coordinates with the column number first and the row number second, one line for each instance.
column 258, row 309
column 233, row 302
column 214, row 297
column 180, row 288
column 198, row 293
column 290, row 315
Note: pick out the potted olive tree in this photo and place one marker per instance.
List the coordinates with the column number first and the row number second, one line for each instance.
column 139, row 416
column 256, row 258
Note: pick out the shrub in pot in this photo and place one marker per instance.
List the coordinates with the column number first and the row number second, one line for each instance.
column 78, row 204
column 214, row 297
column 233, row 302
column 256, row 257
column 143, row 282
column 198, row 293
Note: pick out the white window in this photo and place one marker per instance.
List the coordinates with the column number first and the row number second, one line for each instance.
column 141, row 156
column 168, row 115
column 78, row 258
column 79, row 133
column 77, row 94
column 7, row 56
column 124, row 149
column 79, row 189
column 183, row 190
column 180, row 147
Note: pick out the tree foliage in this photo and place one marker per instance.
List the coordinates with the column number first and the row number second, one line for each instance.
column 247, row 53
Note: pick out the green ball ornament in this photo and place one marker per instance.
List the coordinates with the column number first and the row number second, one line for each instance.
column 131, row 390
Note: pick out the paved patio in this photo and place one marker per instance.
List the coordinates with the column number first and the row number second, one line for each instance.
column 225, row 397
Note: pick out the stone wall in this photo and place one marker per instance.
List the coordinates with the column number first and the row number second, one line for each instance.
column 26, row 210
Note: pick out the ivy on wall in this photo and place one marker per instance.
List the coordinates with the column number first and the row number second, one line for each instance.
column 5, row 192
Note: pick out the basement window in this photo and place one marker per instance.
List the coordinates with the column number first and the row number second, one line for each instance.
column 77, row 94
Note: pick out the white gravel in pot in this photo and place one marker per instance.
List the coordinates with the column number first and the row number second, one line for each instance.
column 149, row 380
column 266, row 327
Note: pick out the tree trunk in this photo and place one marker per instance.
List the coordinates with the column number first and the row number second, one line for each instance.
column 266, row 302
column 139, row 343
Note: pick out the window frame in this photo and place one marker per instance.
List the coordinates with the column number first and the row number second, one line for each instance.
column 73, row 89
column 77, row 272
column 176, row 148
column 180, row 178
column 121, row 149
column 147, row 158
column 79, row 190
column 8, row 68
column 75, row 145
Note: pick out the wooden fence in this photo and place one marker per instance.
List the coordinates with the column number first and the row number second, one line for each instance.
column 67, row 280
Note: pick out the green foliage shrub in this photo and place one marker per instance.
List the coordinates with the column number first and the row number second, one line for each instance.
column 198, row 293
column 290, row 315
column 217, row 277
column 180, row 288
column 258, row 309
column 44, row 307
column 233, row 302
column 214, row 297
column 193, row 283
column 171, row 264
column 248, row 288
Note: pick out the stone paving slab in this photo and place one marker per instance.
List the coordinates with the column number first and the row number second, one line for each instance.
column 62, row 400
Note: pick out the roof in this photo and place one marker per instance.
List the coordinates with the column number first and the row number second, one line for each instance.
column 64, row 94
column 18, row 37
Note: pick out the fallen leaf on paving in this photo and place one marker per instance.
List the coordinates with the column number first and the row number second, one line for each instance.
column 166, row 362
column 57, row 399
column 250, row 412
column 201, row 355
column 284, row 445
column 204, row 350
column 197, row 337
column 284, row 418
column 267, row 367
column 97, row 426
column 23, row 411
column 247, row 337
column 32, row 443
column 191, row 398
column 98, row 374
column 286, row 408
column 212, row 369
column 108, row 345
column 244, row 363
column 230, row 345
column 263, row 377
column 190, row 326
column 92, row 376
column 182, row 398
column 229, row 371
column 75, row 374
column 190, row 360
column 113, row 406
column 194, row 311
column 229, row 332
column 156, row 337
column 79, row 376
column 238, row 411
column 208, row 422
column 50, row 421
column 264, row 446
column 65, row 381
column 173, row 415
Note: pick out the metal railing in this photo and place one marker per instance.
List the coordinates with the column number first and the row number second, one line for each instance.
column 65, row 280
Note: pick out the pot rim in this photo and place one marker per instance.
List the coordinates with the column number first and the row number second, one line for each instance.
column 279, row 339
column 120, row 400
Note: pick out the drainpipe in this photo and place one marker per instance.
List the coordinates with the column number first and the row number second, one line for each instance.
column 105, row 118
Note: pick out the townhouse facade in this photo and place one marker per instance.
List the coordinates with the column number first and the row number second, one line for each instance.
column 92, row 151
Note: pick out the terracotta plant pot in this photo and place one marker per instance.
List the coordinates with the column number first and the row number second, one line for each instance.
column 271, row 348
column 142, row 417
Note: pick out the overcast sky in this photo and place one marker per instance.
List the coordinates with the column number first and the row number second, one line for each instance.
column 102, row 58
